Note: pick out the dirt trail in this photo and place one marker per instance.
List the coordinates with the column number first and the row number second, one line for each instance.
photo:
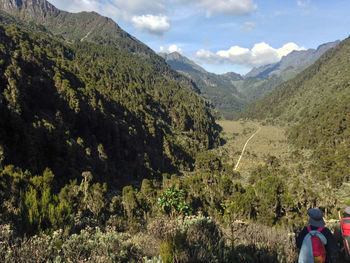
column 245, row 145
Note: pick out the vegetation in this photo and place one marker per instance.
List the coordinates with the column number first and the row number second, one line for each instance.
column 108, row 155
column 218, row 89
column 315, row 105
column 86, row 107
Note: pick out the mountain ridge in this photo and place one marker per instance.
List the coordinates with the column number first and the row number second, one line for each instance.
column 218, row 89
column 230, row 93
column 297, row 58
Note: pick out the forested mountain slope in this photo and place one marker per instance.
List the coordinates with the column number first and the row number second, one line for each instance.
column 316, row 101
column 83, row 106
column 218, row 89
column 40, row 15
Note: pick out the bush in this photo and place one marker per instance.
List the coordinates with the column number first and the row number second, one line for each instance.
column 191, row 239
column 91, row 245
column 173, row 204
column 259, row 243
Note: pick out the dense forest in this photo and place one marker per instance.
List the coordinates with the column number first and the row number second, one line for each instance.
column 96, row 109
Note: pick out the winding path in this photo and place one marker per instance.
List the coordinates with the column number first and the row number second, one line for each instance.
column 245, row 145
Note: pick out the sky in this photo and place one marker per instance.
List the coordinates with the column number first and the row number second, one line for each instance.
column 225, row 35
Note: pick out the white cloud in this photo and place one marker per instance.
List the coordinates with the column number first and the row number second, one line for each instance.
column 140, row 6
column 154, row 24
column 305, row 6
column 248, row 26
column 302, row 4
column 172, row 48
column 260, row 54
column 207, row 56
column 288, row 48
column 139, row 12
column 150, row 16
column 76, row 5
column 227, row 7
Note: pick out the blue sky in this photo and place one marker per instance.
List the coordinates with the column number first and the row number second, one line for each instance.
column 225, row 35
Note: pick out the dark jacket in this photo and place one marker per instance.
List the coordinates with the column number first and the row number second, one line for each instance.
column 332, row 247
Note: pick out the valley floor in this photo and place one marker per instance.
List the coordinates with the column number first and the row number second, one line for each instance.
column 269, row 141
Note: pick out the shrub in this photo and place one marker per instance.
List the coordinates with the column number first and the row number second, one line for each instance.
column 191, row 239
column 94, row 245
column 173, row 204
column 259, row 243
column 91, row 245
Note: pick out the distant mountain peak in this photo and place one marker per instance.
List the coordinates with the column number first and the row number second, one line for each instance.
column 179, row 62
column 297, row 60
column 32, row 9
column 82, row 26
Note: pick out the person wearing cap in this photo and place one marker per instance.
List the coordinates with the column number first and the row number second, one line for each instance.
column 316, row 221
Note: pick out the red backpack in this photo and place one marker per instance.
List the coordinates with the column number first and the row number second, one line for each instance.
column 345, row 230
column 318, row 248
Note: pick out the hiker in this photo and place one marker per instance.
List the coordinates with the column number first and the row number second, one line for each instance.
column 345, row 232
column 316, row 242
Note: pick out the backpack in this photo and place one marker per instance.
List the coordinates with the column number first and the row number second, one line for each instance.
column 318, row 248
column 345, row 230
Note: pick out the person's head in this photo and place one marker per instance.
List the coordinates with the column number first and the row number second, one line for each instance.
column 347, row 211
column 316, row 217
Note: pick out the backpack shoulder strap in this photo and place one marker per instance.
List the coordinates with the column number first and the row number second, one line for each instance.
column 320, row 228
column 308, row 228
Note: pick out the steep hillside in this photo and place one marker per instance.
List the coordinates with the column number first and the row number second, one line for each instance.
column 40, row 15
column 84, row 106
column 218, row 89
column 88, row 26
column 181, row 63
column 316, row 102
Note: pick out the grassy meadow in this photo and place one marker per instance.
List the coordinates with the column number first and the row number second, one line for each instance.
column 270, row 141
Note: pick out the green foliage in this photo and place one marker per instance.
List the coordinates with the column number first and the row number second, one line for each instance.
column 31, row 204
column 316, row 104
column 90, row 110
column 190, row 239
column 173, row 204
column 93, row 245
column 91, row 107
column 208, row 161
column 130, row 202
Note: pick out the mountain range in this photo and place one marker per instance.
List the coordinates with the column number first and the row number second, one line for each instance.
column 291, row 64
column 230, row 93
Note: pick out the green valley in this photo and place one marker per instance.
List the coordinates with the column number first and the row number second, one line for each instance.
column 108, row 154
